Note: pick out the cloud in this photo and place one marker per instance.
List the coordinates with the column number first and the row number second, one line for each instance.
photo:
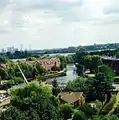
column 60, row 22
column 112, row 8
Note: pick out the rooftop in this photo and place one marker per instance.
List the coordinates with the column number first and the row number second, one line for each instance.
column 70, row 97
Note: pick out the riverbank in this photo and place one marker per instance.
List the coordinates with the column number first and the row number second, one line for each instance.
column 54, row 75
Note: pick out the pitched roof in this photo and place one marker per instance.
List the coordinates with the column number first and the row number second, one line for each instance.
column 70, row 97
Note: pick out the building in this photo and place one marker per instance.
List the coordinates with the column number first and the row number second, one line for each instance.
column 4, row 98
column 48, row 63
column 113, row 63
column 74, row 98
column 11, row 49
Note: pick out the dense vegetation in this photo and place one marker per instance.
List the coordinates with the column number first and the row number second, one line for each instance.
column 34, row 102
column 38, row 101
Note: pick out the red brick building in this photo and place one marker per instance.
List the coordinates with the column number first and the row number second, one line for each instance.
column 48, row 63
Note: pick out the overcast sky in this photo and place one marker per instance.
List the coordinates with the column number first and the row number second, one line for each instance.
column 58, row 23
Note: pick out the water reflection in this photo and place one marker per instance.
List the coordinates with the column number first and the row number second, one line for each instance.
column 71, row 75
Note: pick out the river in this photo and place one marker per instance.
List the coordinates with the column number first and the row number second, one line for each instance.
column 62, row 81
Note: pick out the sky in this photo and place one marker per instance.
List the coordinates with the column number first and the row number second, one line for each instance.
column 58, row 23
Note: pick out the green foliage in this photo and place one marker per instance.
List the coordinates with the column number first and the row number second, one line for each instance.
column 88, row 110
column 65, row 111
column 107, row 71
column 117, row 53
column 92, row 62
column 55, row 89
column 3, row 73
column 14, row 81
column 63, row 62
column 113, row 117
column 33, row 102
column 3, row 59
column 116, row 111
column 19, row 55
column 31, row 59
column 78, row 57
column 69, row 59
column 79, row 115
column 40, row 69
column 98, row 88
column 80, row 69
column 108, row 107
column 79, row 84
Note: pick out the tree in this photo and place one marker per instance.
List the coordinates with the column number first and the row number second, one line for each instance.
column 65, row 111
column 98, row 88
column 80, row 53
column 117, row 52
column 69, row 59
column 113, row 117
column 31, row 58
column 107, row 71
column 40, row 69
column 92, row 62
column 34, row 102
column 88, row 110
column 63, row 62
column 80, row 69
column 3, row 59
column 116, row 111
column 79, row 115
column 55, row 89
column 77, row 85
column 3, row 74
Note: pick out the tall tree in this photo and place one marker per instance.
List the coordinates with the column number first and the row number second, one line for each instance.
column 66, row 111
column 33, row 102
column 98, row 88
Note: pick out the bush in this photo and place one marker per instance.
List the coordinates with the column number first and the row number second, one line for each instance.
column 79, row 115
column 65, row 111
column 88, row 110
column 109, row 106
column 14, row 81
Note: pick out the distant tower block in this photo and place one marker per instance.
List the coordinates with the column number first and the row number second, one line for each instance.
column 30, row 47
column 21, row 47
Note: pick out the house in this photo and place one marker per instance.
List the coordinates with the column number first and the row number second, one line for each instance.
column 74, row 98
column 112, row 62
column 4, row 98
column 49, row 63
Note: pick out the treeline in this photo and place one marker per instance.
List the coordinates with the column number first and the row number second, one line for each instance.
column 107, row 50
column 10, row 74
column 31, row 68
column 18, row 55
column 37, row 101
column 88, row 48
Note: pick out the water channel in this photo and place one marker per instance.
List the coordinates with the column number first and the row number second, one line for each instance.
column 71, row 75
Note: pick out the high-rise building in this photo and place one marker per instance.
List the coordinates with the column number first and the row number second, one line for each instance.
column 30, row 47
column 11, row 49
column 21, row 47
column 3, row 50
